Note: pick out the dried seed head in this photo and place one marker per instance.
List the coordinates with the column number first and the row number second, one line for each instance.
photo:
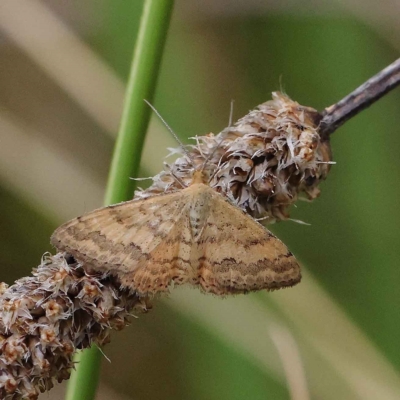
column 262, row 163
column 45, row 318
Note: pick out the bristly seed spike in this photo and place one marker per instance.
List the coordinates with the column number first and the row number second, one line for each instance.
column 231, row 114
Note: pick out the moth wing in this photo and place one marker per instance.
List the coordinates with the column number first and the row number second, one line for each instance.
column 239, row 255
column 139, row 241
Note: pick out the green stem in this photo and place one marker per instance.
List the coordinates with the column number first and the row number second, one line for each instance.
column 128, row 148
column 141, row 85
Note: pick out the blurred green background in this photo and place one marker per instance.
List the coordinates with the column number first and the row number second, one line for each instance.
column 335, row 336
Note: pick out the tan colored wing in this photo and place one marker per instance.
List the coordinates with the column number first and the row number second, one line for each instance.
column 145, row 243
column 239, row 255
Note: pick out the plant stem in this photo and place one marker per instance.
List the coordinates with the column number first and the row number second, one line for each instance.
column 126, row 158
column 372, row 90
column 136, row 113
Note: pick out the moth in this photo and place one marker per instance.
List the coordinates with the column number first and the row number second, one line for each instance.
column 193, row 235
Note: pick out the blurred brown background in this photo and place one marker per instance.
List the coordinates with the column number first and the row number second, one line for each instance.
column 62, row 71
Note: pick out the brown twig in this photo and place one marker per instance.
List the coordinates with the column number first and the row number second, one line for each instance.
column 365, row 95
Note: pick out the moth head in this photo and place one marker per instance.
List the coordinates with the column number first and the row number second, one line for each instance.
column 199, row 176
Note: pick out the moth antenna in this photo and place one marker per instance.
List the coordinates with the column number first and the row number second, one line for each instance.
column 178, row 180
column 172, row 133
column 175, row 177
